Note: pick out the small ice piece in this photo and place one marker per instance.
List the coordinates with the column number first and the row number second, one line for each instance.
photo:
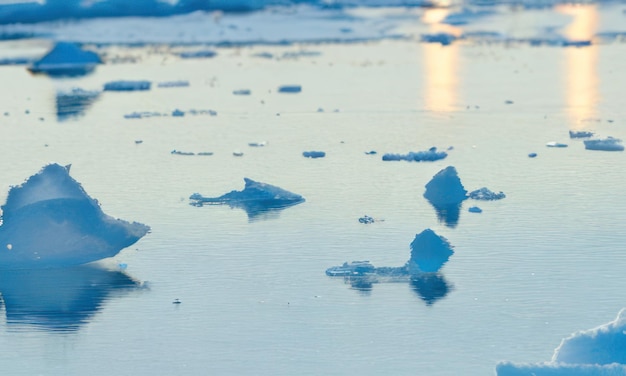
column 205, row 153
column 445, row 193
column 238, row 153
column 66, row 59
column 50, row 221
column 554, row 144
column 242, row 92
column 178, row 113
column 486, row 195
column 127, row 85
column 257, row 144
column 421, row 156
column 178, row 152
column 607, row 144
column 314, row 154
column 532, row 155
column 202, row 54
column 169, row 84
column 371, row 152
column 429, row 252
column 580, row 134
column 366, row 219
column 256, row 198
column 475, row 209
column 290, row 89
column 133, row 115
column 354, row 268
column 442, row 38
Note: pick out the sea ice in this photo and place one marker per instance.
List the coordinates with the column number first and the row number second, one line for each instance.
column 554, row 144
column 429, row 252
column 445, row 193
column 580, row 134
column 203, row 54
column 607, row 144
column 485, row 194
column 290, row 89
column 420, row 156
column 594, row 352
column 178, row 113
column 50, row 221
column 256, row 198
column 313, row 154
column 66, row 59
column 127, row 85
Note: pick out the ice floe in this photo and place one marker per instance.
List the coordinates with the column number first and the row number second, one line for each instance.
column 313, row 154
column 486, row 194
column 606, row 144
column 594, row 352
column 124, row 85
column 256, row 199
column 292, row 89
column 66, row 59
column 429, row 155
column 445, row 192
column 50, row 221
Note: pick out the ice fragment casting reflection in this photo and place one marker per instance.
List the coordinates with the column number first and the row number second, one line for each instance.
column 50, row 221
column 257, row 198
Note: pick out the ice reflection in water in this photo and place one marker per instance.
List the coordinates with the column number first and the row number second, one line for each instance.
column 60, row 299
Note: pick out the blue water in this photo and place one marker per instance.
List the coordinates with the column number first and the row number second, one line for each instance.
column 527, row 271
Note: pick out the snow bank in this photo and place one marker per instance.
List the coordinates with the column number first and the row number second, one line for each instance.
column 50, row 221
column 256, row 198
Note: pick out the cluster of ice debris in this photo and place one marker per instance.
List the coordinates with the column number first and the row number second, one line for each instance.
column 174, row 113
column 429, row 155
column 594, row 352
column 50, row 221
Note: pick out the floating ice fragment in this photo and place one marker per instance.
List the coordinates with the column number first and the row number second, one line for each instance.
column 421, row 156
column 203, row 54
column 366, row 219
column 50, row 221
column 242, row 92
column 445, row 192
column 580, row 134
column 594, row 352
column 313, row 154
column 238, row 153
column 66, row 59
column 554, row 144
column 256, row 198
column 169, row 84
column 429, row 252
column 486, row 195
column 475, row 209
column 178, row 152
column 443, row 38
column 257, row 144
column 532, row 155
column 290, row 89
column 127, row 86
column 178, row 113
column 371, row 152
column 607, row 144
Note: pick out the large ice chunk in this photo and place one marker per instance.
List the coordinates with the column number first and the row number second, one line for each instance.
column 445, row 192
column 594, row 352
column 66, row 59
column 256, row 198
column 50, row 221
column 429, row 252
column 485, row 194
column 607, row 144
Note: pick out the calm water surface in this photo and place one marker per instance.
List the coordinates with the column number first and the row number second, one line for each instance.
column 531, row 269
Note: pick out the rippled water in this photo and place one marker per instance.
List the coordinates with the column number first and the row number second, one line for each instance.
column 528, row 271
